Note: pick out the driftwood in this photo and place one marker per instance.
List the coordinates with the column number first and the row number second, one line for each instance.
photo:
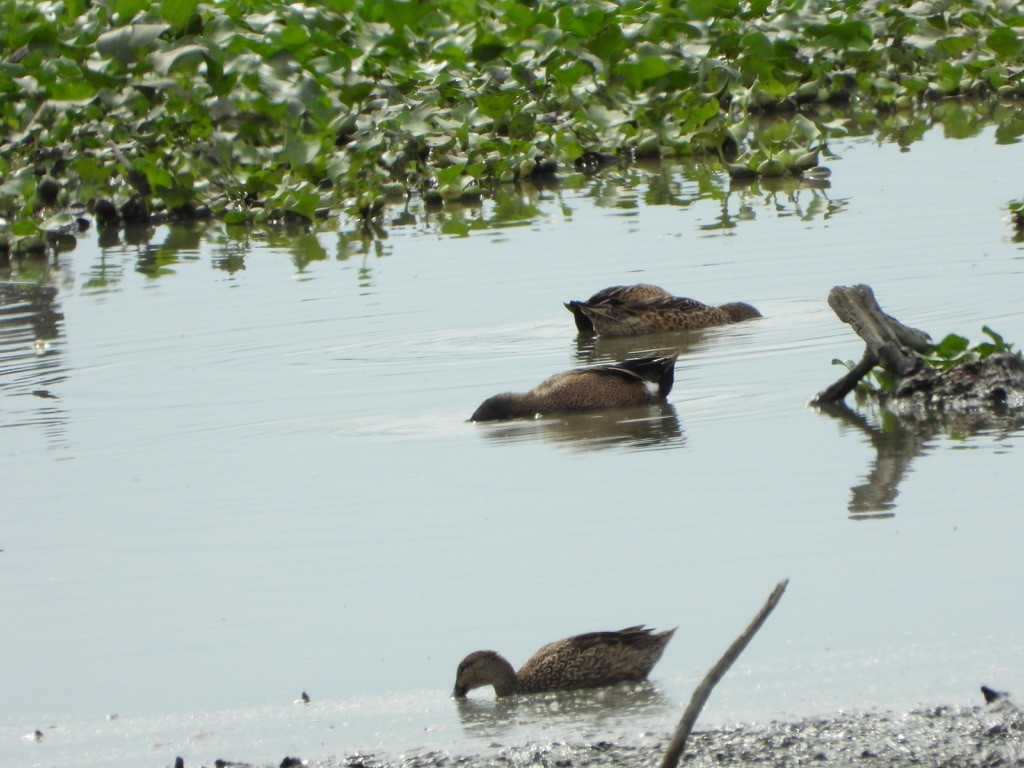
column 703, row 691
column 889, row 342
column 995, row 381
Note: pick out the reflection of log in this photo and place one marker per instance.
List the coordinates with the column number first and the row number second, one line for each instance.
column 703, row 691
column 996, row 381
column 895, row 448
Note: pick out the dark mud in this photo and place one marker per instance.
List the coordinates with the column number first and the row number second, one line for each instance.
column 989, row 736
column 944, row 736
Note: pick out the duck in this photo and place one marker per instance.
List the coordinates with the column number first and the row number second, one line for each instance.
column 589, row 660
column 631, row 310
column 640, row 381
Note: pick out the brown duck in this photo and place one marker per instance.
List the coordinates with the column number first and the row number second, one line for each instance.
column 631, row 310
column 582, row 661
column 642, row 381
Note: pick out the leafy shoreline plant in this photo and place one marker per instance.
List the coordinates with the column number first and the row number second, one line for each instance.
column 952, row 350
column 263, row 110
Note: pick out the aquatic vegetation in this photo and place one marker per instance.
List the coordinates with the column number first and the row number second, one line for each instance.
column 1016, row 208
column 952, row 350
column 269, row 111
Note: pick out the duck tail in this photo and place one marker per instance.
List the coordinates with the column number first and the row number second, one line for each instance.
column 668, row 376
column 658, row 369
column 583, row 323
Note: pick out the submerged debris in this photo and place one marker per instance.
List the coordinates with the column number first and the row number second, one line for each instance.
column 991, row 694
column 915, row 385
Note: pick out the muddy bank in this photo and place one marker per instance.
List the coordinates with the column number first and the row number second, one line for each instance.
column 991, row 735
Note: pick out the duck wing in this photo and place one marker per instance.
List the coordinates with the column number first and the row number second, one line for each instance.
column 593, row 659
column 616, row 295
column 655, row 374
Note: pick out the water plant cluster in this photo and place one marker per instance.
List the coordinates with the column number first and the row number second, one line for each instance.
column 952, row 350
column 256, row 110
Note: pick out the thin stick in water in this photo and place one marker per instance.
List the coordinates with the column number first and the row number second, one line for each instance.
column 703, row 691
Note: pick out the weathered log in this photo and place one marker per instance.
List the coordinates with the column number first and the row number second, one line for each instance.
column 891, row 342
column 995, row 381
column 835, row 393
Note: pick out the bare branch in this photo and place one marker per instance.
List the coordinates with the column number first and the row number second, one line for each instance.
column 703, row 691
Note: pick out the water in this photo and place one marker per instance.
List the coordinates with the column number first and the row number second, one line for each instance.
column 237, row 467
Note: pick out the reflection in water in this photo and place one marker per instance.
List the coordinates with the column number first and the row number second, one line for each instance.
column 182, row 242
column 786, row 196
column 593, row 350
column 898, row 440
column 30, row 359
column 228, row 256
column 896, row 444
column 645, row 427
column 586, row 709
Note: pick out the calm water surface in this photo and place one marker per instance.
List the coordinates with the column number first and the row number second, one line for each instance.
column 237, row 467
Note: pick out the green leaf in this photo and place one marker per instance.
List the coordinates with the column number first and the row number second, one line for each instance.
column 996, row 338
column 487, row 49
column 178, row 12
column 496, row 104
column 1005, row 42
column 298, row 152
column 156, row 175
column 640, row 73
column 609, row 45
column 355, row 91
column 700, row 113
column 125, row 43
column 758, row 45
column 955, row 46
column 951, row 346
column 71, row 89
column 999, row 344
column 180, row 58
column 303, row 202
column 844, row 35
column 701, row 10
column 127, row 9
column 570, row 74
column 24, row 228
column 949, row 77
column 446, row 176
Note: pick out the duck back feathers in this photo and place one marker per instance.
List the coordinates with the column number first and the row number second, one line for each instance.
column 621, row 311
column 617, row 294
column 641, row 381
column 593, row 659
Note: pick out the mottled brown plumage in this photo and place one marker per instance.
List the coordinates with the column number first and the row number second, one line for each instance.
column 617, row 294
column 582, row 661
column 640, row 309
column 642, row 381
